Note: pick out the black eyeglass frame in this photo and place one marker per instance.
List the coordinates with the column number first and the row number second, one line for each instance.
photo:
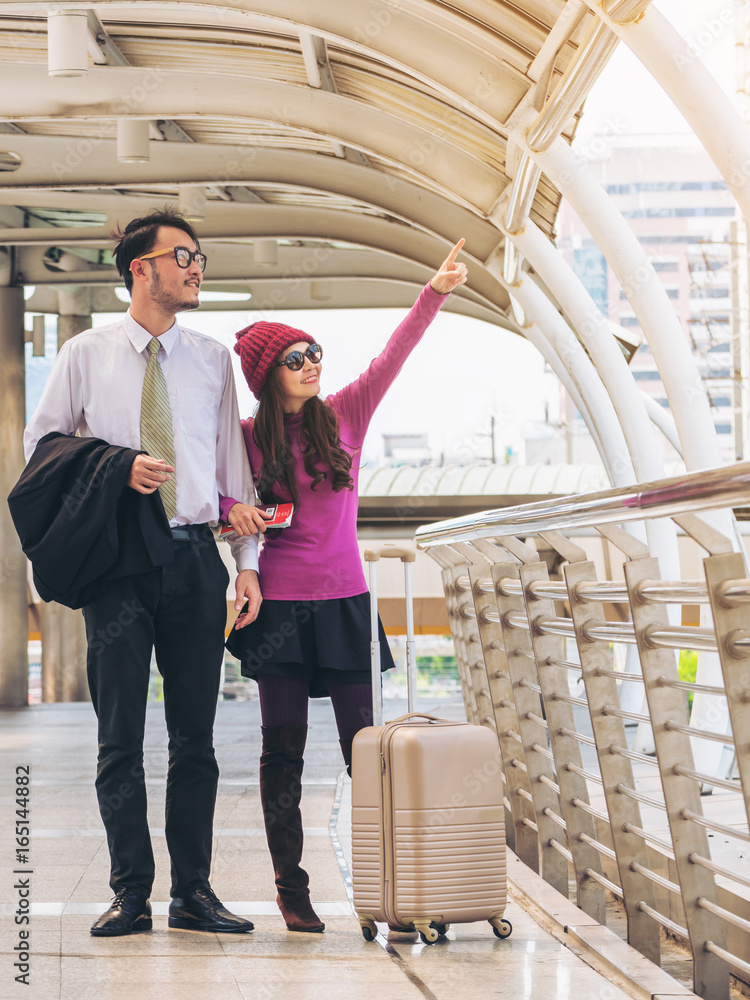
column 193, row 255
column 295, row 360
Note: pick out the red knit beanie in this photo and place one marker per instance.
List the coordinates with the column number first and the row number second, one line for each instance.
column 259, row 346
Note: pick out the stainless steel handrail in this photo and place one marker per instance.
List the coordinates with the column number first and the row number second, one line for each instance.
column 614, row 592
column 668, row 637
column 708, row 490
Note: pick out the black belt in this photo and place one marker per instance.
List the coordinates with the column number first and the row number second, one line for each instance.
column 189, row 532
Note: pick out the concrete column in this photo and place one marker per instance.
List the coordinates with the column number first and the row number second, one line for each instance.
column 74, row 309
column 69, row 326
column 63, row 632
column 63, row 654
column 14, row 629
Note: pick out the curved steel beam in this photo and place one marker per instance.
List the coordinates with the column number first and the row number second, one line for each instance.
column 659, row 322
column 596, row 336
column 482, row 71
column 70, row 174
column 30, row 95
column 584, row 377
column 542, row 343
column 595, row 333
column 228, row 221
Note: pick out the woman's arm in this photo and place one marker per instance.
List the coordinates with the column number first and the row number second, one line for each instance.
column 246, row 519
column 357, row 401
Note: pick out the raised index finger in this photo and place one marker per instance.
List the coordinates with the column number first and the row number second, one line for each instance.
column 451, row 259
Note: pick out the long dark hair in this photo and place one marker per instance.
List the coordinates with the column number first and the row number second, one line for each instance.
column 319, row 439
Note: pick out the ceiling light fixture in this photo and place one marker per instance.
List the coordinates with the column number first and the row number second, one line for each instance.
column 67, row 43
column 193, row 202
column 265, row 253
column 132, row 141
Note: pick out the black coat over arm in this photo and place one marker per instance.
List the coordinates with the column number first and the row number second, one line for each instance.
column 79, row 522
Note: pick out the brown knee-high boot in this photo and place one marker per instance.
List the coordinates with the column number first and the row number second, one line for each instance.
column 281, row 764
column 346, row 752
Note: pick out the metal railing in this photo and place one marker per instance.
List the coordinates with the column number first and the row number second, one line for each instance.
column 599, row 788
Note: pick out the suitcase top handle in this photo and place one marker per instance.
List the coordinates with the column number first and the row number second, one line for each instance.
column 390, row 551
column 416, row 715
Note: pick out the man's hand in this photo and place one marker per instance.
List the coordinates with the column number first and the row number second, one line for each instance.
column 247, row 589
column 246, row 519
column 147, row 474
column 450, row 274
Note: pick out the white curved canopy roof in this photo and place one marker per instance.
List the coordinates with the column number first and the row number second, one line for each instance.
column 363, row 139
column 332, row 152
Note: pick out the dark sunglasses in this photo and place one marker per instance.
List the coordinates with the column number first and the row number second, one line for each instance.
column 296, row 359
column 182, row 255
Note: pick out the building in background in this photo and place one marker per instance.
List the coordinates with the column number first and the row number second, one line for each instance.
column 685, row 217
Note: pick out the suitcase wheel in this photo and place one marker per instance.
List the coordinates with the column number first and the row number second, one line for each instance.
column 427, row 932
column 369, row 930
column 502, row 928
column 442, row 929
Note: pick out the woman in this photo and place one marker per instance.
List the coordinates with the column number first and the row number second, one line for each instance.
column 312, row 635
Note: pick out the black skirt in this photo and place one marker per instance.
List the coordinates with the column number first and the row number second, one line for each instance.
column 311, row 640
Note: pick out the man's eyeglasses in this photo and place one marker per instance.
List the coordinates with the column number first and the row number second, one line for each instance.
column 182, row 255
column 296, row 359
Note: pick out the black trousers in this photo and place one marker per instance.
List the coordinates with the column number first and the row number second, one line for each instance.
column 179, row 611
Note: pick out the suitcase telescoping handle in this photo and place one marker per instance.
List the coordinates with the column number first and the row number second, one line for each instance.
column 407, row 557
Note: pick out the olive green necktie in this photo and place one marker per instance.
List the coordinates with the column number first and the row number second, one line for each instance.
column 156, row 425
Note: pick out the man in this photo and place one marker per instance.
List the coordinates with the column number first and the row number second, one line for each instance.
column 148, row 384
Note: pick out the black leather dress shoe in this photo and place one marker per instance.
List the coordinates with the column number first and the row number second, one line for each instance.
column 201, row 910
column 129, row 913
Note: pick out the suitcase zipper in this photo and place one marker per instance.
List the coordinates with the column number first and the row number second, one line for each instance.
column 389, row 846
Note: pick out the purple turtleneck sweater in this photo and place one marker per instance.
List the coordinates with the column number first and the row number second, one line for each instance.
column 317, row 556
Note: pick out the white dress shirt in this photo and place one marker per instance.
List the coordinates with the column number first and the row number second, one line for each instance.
column 95, row 387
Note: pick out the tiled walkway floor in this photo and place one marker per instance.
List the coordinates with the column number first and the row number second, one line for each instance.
column 70, row 872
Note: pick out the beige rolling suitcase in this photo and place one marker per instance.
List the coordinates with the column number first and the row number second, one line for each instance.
column 428, row 834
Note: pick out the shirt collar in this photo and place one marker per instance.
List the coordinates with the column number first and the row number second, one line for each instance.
column 140, row 338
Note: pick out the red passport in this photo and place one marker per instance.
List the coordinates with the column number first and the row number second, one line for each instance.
column 280, row 517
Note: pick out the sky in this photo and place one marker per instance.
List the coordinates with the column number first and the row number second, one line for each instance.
column 464, row 371
column 626, row 93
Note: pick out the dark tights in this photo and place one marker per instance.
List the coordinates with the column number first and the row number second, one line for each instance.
column 284, row 701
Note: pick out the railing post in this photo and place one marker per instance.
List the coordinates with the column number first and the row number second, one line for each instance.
column 521, row 832
column 553, row 680
column 462, row 659
column 470, row 631
column 533, row 733
column 476, row 670
column 616, row 771
column 440, row 555
column 735, row 663
column 666, row 707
